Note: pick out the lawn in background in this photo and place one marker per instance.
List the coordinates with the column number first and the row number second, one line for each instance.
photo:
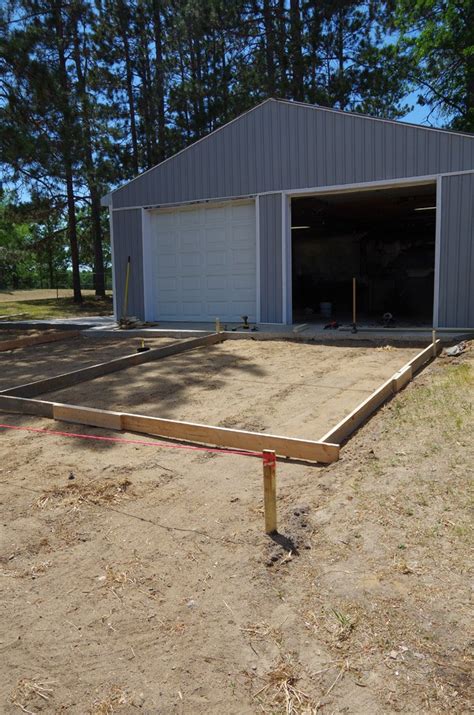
column 42, row 304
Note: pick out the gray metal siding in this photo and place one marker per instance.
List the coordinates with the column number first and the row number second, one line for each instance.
column 271, row 298
column 127, row 238
column 456, row 278
column 279, row 146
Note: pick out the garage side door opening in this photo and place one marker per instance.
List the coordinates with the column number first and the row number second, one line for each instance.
column 385, row 238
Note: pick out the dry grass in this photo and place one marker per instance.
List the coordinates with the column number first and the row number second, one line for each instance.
column 28, row 691
column 74, row 494
column 281, row 692
column 115, row 699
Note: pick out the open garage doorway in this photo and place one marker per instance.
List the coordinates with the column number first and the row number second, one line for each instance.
column 385, row 238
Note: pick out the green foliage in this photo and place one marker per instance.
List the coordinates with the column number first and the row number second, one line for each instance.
column 93, row 92
column 438, row 40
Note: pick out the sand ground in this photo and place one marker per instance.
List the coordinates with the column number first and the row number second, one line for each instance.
column 138, row 578
column 293, row 389
column 41, row 361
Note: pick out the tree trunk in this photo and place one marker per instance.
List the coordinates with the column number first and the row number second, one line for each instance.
column 269, row 48
column 282, row 55
column 146, row 89
column 341, row 89
column 123, row 21
column 160, row 79
column 91, row 174
column 297, row 63
column 66, row 133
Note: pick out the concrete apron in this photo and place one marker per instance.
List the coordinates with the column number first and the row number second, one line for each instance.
column 304, row 332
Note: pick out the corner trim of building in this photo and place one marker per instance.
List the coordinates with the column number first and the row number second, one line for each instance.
column 148, row 307
column 437, row 253
column 112, row 256
column 258, row 298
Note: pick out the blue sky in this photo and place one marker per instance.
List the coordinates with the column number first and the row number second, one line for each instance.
column 420, row 115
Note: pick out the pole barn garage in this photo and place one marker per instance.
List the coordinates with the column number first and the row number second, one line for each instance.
column 273, row 215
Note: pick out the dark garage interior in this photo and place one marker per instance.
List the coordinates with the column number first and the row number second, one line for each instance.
column 384, row 238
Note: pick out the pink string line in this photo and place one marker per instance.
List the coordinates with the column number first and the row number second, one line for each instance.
column 243, row 453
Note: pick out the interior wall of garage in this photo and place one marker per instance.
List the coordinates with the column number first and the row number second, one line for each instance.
column 127, row 241
column 455, row 300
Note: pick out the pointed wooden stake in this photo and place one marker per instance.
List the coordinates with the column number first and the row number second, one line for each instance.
column 269, row 491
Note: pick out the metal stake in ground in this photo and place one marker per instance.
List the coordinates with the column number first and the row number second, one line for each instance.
column 269, row 491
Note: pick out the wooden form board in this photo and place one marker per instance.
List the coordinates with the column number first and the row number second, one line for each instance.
column 362, row 412
column 67, row 379
column 308, row 450
column 324, row 451
column 26, row 340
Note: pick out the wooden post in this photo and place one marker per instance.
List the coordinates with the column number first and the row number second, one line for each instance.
column 434, row 342
column 218, row 325
column 354, row 311
column 269, row 491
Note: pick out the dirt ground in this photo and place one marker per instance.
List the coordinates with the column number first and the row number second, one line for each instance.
column 294, row 389
column 41, row 361
column 137, row 578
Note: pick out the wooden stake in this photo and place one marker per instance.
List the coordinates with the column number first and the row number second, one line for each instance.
column 269, row 491
column 434, row 342
column 354, row 318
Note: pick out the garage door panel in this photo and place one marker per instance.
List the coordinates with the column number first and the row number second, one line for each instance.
column 166, row 264
column 167, row 284
column 216, row 238
column 243, row 282
column 244, row 213
column 168, row 309
column 190, row 259
column 216, row 258
column 188, row 218
column 242, row 235
column 191, row 309
column 191, row 283
column 168, row 240
column 215, row 216
column 189, row 239
column 204, row 262
column 216, row 282
column 243, row 258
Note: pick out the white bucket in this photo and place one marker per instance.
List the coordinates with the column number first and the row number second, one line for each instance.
column 325, row 309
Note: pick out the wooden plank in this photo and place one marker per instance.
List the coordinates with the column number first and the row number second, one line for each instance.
column 205, row 434
column 402, row 378
column 362, row 412
column 26, row 407
column 295, row 448
column 67, row 379
column 27, row 340
column 424, row 356
column 232, row 438
column 87, row 416
column 354, row 419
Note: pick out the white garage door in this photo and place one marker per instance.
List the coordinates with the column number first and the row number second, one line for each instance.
column 202, row 263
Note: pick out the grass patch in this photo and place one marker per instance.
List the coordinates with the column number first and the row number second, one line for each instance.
column 57, row 308
column 446, row 405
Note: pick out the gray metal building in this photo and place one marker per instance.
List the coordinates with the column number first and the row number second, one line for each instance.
column 271, row 215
